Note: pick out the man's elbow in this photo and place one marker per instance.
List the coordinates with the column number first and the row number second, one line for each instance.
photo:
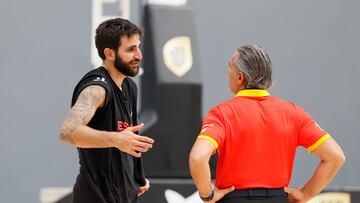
column 63, row 139
column 196, row 159
column 340, row 159
column 65, row 136
column 337, row 159
column 193, row 159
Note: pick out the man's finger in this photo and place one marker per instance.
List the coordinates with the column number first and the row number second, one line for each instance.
column 229, row 189
column 140, row 149
column 222, row 192
column 134, row 153
column 140, row 193
column 142, row 144
column 144, row 189
column 145, row 139
column 136, row 128
column 287, row 190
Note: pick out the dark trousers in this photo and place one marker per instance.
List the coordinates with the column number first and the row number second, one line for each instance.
column 257, row 195
column 258, row 200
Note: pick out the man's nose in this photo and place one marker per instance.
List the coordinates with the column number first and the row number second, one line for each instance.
column 138, row 55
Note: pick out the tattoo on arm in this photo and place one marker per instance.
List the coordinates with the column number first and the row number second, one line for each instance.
column 89, row 100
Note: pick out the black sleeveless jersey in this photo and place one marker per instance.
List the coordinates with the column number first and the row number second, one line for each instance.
column 108, row 175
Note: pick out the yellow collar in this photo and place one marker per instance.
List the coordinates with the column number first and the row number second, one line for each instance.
column 253, row 93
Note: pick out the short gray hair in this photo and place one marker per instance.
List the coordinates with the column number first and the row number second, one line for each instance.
column 256, row 66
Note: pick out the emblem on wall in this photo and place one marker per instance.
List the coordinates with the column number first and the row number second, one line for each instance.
column 177, row 55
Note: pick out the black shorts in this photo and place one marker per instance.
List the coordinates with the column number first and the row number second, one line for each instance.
column 83, row 193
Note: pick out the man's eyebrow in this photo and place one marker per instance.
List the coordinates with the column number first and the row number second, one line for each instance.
column 132, row 46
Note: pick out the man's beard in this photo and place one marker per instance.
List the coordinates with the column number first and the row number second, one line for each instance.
column 124, row 68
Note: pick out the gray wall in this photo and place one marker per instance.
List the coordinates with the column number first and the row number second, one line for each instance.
column 45, row 49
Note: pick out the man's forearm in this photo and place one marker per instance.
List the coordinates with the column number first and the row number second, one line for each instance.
column 86, row 137
column 324, row 173
column 199, row 166
column 332, row 158
column 200, row 172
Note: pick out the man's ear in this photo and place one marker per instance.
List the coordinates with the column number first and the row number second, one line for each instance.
column 109, row 54
column 241, row 78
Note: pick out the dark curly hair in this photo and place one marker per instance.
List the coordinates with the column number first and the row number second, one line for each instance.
column 109, row 32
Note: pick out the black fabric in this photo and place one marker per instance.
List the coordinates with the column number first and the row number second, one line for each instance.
column 255, row 200
column 257, row 192
column 256, row 195
column 108, row 175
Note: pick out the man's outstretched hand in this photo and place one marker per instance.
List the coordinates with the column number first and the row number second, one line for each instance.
column 131, row 143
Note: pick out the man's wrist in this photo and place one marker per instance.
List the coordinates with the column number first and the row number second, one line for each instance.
column 208, row 198
column 305, row 194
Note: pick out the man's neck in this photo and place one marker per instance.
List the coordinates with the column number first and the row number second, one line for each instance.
column 115, row 75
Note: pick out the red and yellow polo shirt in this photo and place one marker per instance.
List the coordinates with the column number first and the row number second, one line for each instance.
column 256, row 136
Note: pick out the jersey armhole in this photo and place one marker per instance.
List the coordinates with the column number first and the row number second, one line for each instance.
column 107, row 93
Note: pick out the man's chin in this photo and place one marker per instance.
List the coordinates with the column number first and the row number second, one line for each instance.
column 134, row 71
column 130, row 71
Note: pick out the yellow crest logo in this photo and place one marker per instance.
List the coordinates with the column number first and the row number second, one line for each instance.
column 177, row 55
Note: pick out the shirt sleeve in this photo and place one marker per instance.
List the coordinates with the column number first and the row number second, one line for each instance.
column 311, row 135
column 213, row 128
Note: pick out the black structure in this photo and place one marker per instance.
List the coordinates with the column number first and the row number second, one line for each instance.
column 171, row 90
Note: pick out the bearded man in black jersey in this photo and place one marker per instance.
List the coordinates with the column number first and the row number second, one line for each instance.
column 102, row 122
